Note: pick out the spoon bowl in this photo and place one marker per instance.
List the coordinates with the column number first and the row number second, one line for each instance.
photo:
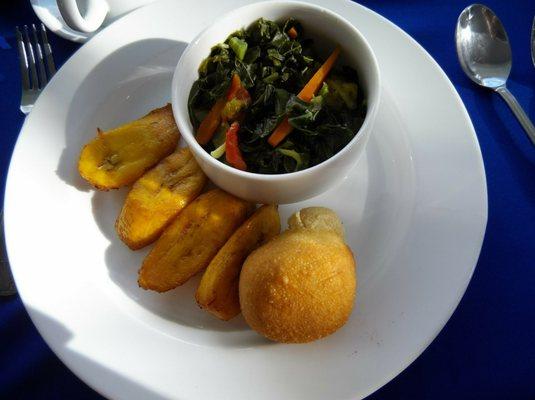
column 483, row 46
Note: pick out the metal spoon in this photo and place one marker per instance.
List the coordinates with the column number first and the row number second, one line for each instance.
column 485, row 56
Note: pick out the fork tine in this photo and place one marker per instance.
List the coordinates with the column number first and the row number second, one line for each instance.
column 23, row 61
column 31, row 59
column 39, row 55
column 48, row 53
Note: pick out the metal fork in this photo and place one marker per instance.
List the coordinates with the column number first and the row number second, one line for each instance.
column 33, row 54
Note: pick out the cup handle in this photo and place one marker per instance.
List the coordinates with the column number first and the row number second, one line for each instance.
column 96, row 12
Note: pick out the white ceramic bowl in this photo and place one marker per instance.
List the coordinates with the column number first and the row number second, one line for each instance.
column 327, row 29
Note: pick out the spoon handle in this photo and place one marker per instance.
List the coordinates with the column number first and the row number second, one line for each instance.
column 518, row 111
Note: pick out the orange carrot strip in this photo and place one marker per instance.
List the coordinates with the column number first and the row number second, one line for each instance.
column 281, row 131
column 237, row 90
column 210, row 123
column 306, row 94
column 292, row 33
column 317, row 79
column 235, row 85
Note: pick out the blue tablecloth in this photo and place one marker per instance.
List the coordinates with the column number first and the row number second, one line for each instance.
column 487, row 350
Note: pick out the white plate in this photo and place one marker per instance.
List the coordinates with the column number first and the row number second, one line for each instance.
column 415, row 210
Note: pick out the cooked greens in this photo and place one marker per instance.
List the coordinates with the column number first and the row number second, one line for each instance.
column 274, row 61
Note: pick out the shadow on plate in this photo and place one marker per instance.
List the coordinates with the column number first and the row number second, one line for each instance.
column 76, row 362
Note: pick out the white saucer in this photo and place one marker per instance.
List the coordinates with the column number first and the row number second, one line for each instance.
column 415, row 210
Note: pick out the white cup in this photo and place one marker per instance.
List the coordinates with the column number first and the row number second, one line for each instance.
column 323, row 26
column 89, row 15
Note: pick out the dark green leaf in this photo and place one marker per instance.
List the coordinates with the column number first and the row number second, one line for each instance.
column 262, row 31
column 279, row 39
column 251, row 55
column 301, row 114
column 274, row 69
column 282, row 97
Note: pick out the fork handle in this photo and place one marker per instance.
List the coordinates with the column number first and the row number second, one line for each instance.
column 520, row 114
column 94, row 16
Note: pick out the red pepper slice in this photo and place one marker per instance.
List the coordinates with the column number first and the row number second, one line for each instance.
column 232, row 150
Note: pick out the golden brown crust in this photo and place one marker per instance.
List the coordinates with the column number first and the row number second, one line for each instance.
column 192, row 240
column 121, row 155
column 157, row 197
column 318, row 219
column 298, row 287
column 218, row 289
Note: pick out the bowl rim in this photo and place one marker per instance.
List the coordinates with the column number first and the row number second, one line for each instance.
column 196, row 148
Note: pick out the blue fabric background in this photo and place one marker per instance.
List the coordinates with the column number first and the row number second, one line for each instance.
column 486, row 351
